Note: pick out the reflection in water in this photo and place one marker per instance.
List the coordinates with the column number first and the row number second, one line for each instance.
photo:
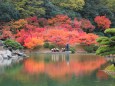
column 67, row 58
column 62, row 68
column 55, row 57
column 41, row 70
column 101, row 75
column 60, row 57
column 1, row 70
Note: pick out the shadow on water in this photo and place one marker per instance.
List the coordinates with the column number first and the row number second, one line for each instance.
column 57, row 69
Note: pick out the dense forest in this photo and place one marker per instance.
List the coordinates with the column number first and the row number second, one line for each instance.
column 89, row 9
column 33, row 23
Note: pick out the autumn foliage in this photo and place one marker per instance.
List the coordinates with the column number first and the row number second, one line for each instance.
column 19, row 24
column 61, row 69
column 31, row 36
column 59, row 19
column 32, row 42
column 59, row 30
column 88, row 39
column 6, row 33
column 86, row 25
column 64, row 21
column 102, row 22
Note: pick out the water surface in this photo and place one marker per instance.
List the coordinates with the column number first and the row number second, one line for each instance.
column 57, row 70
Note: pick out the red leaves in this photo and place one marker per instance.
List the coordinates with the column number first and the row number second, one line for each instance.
column 61, row 69
column 56, row 36
column 88, row 39
column 76, row 24
column 33, row 20
column 86, row 25
column 62, row 37
column 59, row 19
column 31, row 36
column 61, row 30
column 6, row 33
column 102, row 22
column 83, row 24
column 37, row 68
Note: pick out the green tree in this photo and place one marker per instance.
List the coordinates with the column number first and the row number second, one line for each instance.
column 93, row 8
column 52, row 10
column 71, row 4
column 8, row 11
column 107, row 44
column 13, row 44
column 29, row 7
column 110, row 4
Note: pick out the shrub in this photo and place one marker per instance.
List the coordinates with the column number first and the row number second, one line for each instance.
column 8, row 11
column 110, row 68
column 59, row 19
column 72, row 50
column 6, row 33
column 13, row 44
column 19, row 24
column 107, row 44
column 46, row 45
column 86, row 25
column 33, row 42
column 102, row 22
column 110, row 31
column 91, row 48
column 51, row 46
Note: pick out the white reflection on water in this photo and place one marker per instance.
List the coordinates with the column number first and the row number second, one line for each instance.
column 60, row 57
column 1, row 70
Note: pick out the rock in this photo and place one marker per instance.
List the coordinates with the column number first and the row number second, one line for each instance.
column 8, row 57
column 1, row 58
column 1, row 43
column 6, row 62
column 6, row 54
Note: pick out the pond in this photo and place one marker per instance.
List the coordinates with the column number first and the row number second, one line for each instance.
column 57, row 70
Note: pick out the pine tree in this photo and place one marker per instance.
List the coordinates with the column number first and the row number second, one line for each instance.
column 107, row 44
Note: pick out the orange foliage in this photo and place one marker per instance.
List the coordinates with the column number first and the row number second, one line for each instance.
column 86, row 25
column 88, row 39
column 61, row 36
column 62, row 31
column 102, row 22
column 6, row 33
column 59, row 19
column 33, row 67
column 33, row 20
column 19, row 24
column 29, row 32
column 62, row 69
column 56, row 36
column 32, row 42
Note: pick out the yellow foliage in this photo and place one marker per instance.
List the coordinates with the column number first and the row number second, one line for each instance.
column 19, row 24
column 33, row 42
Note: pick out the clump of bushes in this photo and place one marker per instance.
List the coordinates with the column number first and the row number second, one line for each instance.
column 72, row 49
column 46, row 45
column 91, row 48
column 52, row 46
column 12, row 44
column 110, row 68
column 107, row 44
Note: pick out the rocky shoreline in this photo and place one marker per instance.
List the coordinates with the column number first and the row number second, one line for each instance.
column 8, row 57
